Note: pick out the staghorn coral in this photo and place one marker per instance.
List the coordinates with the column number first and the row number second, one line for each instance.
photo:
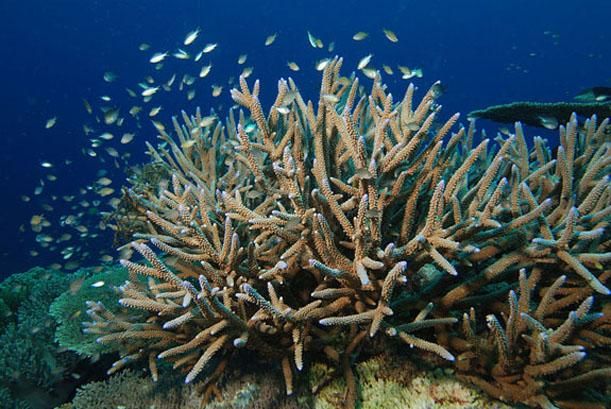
column 315, row 233
column 534, row 357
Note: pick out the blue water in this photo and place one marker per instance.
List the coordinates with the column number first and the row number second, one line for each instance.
column 54, row 53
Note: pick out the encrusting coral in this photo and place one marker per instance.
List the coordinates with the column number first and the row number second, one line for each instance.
column 312, row 231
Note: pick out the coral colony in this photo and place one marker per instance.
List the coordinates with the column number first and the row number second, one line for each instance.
column 311, row 232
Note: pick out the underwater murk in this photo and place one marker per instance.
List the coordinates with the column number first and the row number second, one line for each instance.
column 265, row 205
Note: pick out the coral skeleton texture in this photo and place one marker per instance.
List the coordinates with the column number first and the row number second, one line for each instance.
column 314, row 230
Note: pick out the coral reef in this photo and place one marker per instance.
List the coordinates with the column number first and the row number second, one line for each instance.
column 32, row 365
column 313, row 232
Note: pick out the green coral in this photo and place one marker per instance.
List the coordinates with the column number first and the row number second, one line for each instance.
column 31, row 363
column 131, row 390
column 70, row 307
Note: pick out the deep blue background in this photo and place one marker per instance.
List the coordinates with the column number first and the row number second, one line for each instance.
column 53, row 53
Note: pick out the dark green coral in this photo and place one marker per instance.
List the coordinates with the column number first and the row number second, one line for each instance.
column 31, row 363
column 70, row 308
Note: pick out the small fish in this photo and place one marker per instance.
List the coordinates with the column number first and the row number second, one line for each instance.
column 106, row 258
column 127, row 138
column 188, row 144
column 106, row 98
column 107, row 136
column 51, row 122
column 409, row 73
column 105, row 191
column 205, row 70
column 144, row 47
column 216, row 90
column 135, row 110
column 104, row 181
column 322, row 64
column 46, row 164
column 188, row 79
column 333, row 99
column 242, row 59
column 98, row 284
column 149, row 91
column 44, row 238
column 548, row 122
column 112, row 151
column 171, row 80
column 331, row 47
column 159, row 126
column 293, row 66
column 154, row 111
column 270, row 39
column 413, row 126
column 283, row 110
column 181, row 54
column 131, row 93
column 64, row 237
column 111, row 115
column 363, row 62
column 36, row 219
column 209, row 47
column 387, row 69
column 158, row 57
column 191, row 37
column 313, row 40
column 392, row 37
column 406, row 71
column 87, row 106
column 361, row 35
column 110, row 76
column 247, row 71
column 190, row 94
column 370, row 72
column 207, row 121
column 198, row 56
